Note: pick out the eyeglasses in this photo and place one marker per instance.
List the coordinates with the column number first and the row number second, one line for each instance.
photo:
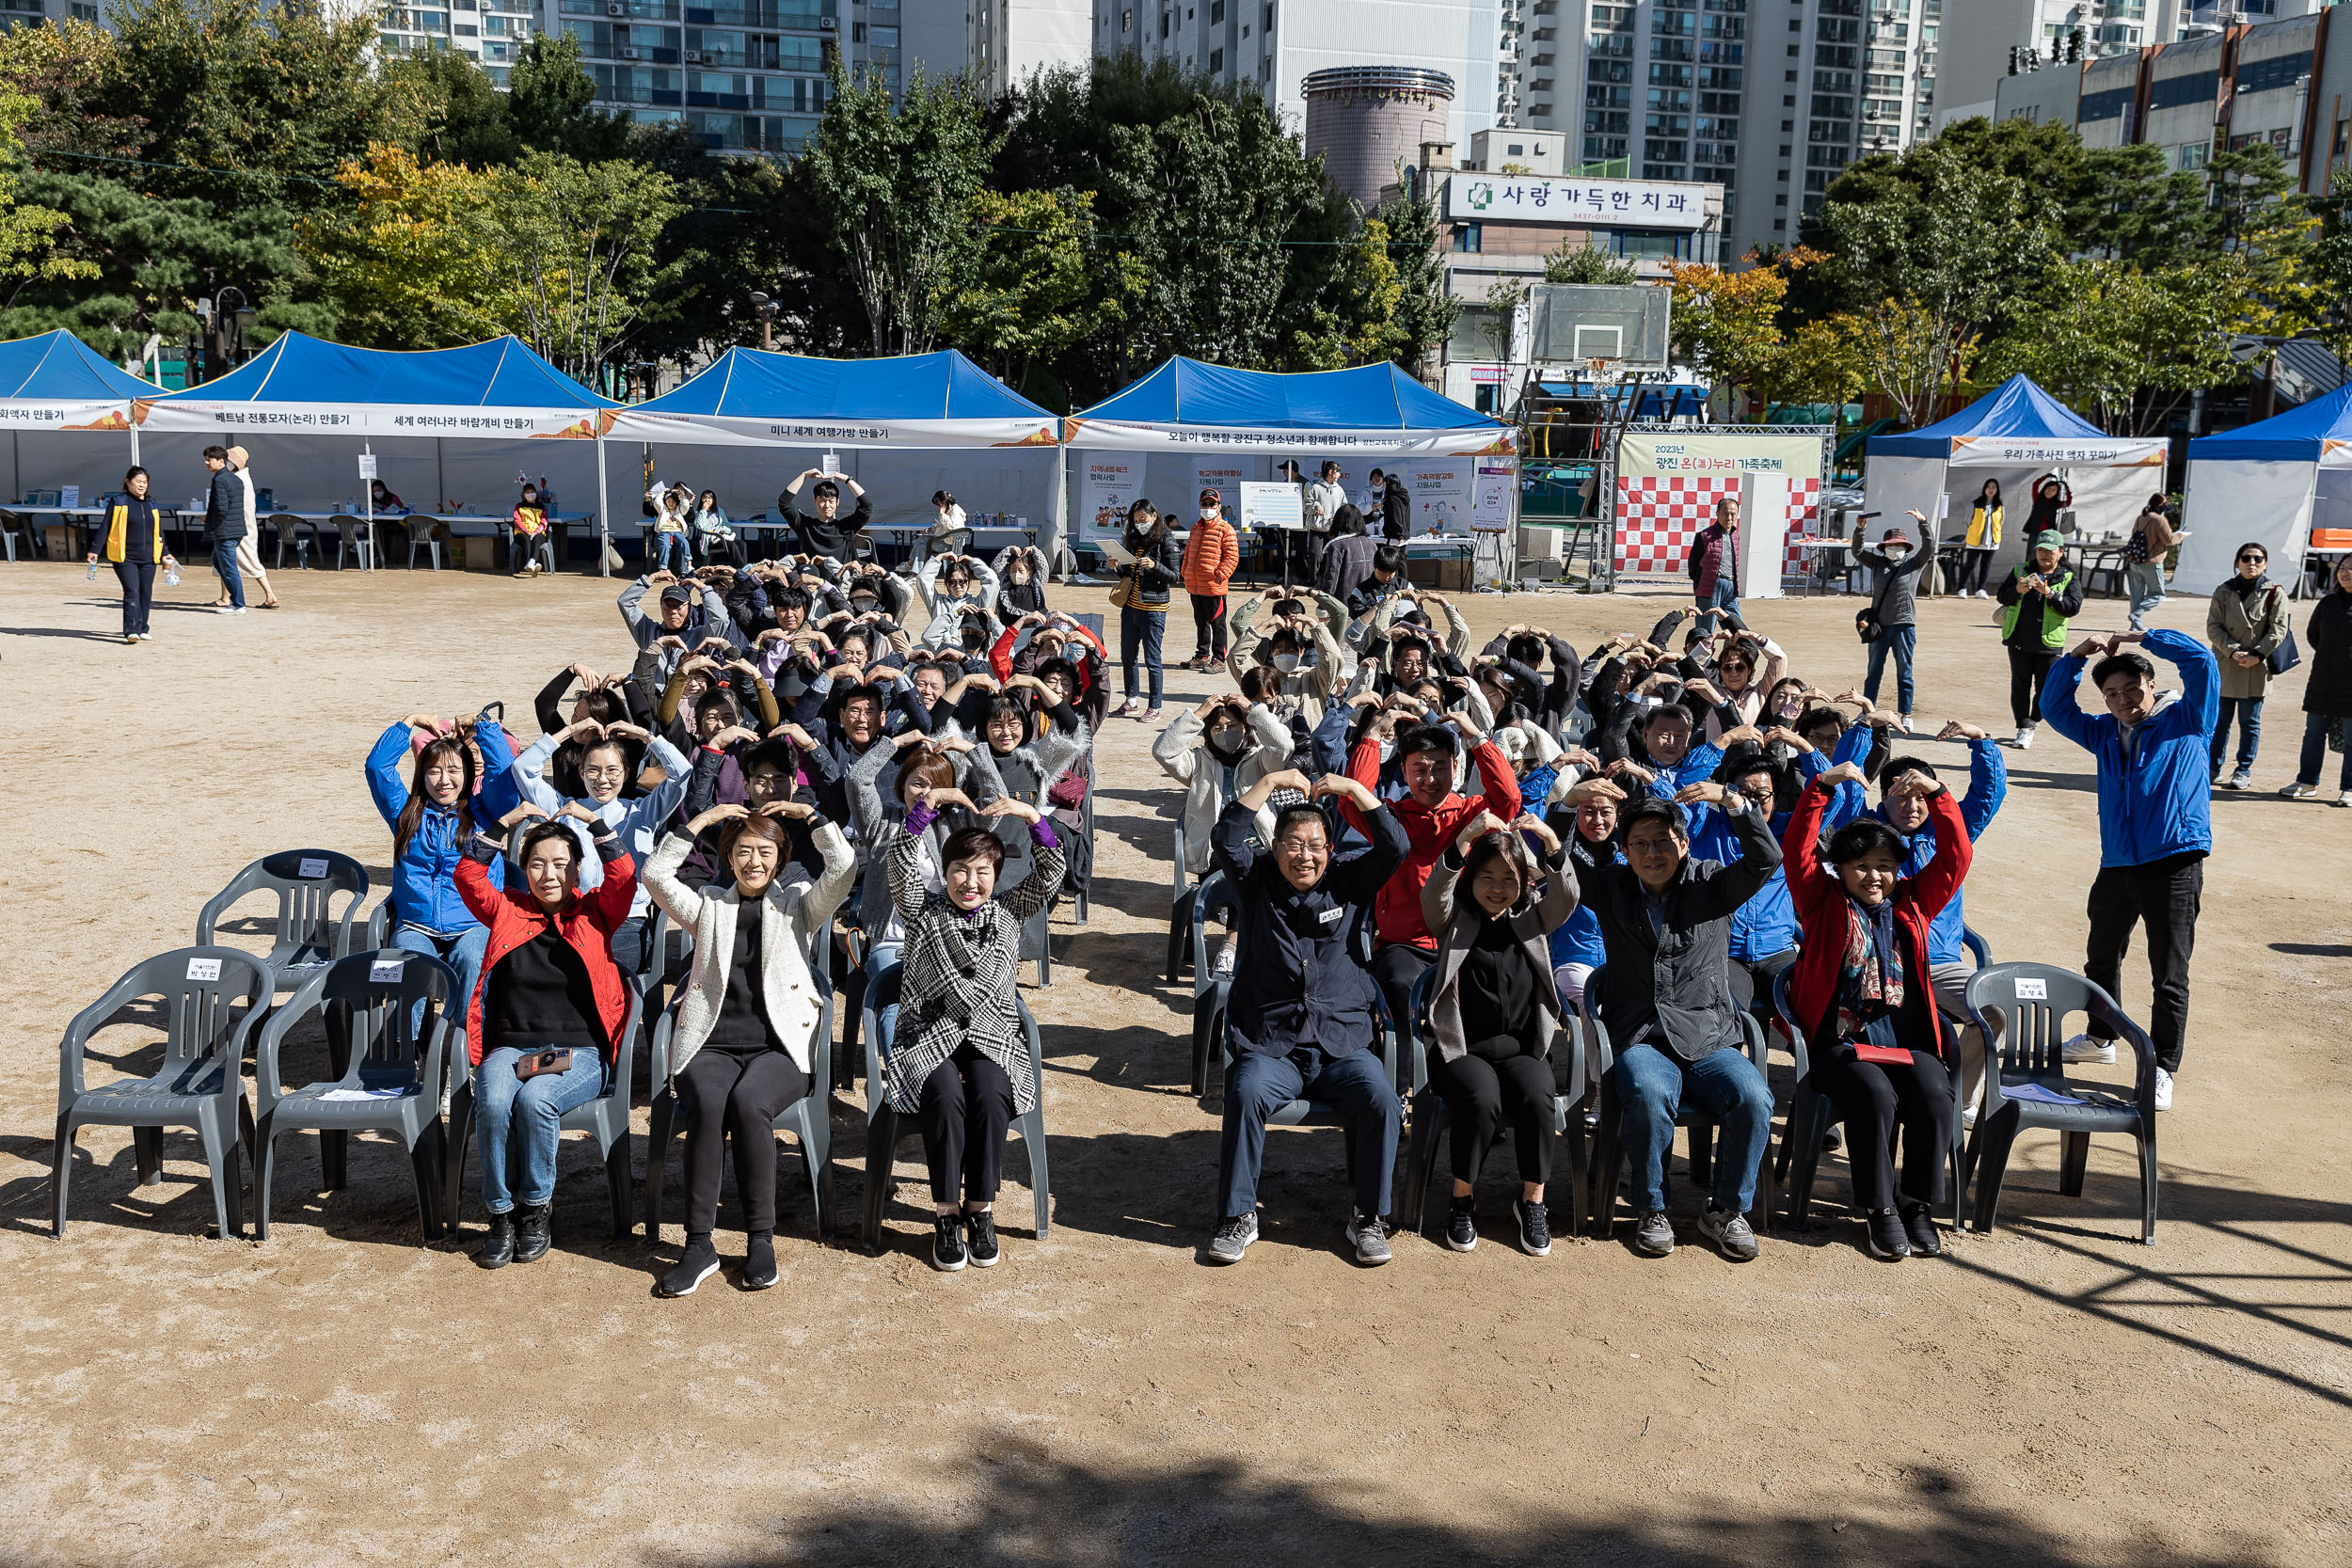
column 2257, row 560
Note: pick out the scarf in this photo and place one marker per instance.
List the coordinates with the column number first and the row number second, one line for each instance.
column 1870, row 973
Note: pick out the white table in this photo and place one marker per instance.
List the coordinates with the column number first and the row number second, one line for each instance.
column 1824, row 554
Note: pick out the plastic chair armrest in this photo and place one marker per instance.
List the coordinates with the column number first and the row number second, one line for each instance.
column 267, row 1084
column 208, row 918
column 657, row 1059
column 72, row 1047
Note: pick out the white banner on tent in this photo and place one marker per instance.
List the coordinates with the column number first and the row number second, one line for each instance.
column 30, row 415
column 1494, row 497
column 366, row 419
column 1105, row 490
column 1302, row 444
column 1983, row 451
column 729, row 430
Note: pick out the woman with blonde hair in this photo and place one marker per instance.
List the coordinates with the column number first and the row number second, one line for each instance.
column 248, row 551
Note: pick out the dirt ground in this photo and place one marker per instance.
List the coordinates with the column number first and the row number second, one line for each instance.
column 2054, row 1393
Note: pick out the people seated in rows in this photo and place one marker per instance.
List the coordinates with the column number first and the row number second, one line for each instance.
column 1586, row 822
column 958, row 1058
column 953, row 587
column 1663, row 759
column 1304, row 1018
column 544, row 1022
column 1279, row 633
column 1021, row 574
column 686, row 616
column 1517, row 654
column 740, row 1041
column 1665, row 999
column 1218, row 750
column 1381, row 580
column 611, row 758
column 1861, row 989
column 822, row 529
column 1494, row 1009
column 734, row 772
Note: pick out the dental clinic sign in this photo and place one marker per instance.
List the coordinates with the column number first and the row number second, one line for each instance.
column 1603, row 203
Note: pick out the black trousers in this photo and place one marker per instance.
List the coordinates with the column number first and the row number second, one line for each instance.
column 966, row 1109
column 1479, row 1093
column 1394, row 968
column 1208, row 624
column 138, row 594
column 2029, row 669
column 727, row 1094
column 1974, row 565
column 1880, row 1100
column 2165, row 896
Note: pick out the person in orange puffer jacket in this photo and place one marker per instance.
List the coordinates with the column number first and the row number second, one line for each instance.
column 1211, row 555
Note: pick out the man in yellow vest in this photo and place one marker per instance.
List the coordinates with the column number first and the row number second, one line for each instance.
column 134, row 544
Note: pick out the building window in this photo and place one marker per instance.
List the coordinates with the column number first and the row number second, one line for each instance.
column 1217, row 61
column 1469, row 237
column 1127, row 19
column 1216, row 10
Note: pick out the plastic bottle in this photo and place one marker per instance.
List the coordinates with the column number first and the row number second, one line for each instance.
column 92, row 574
column 172, row 573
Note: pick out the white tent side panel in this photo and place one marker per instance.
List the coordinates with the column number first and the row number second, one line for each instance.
column 1895, row 486
column 2231, row 501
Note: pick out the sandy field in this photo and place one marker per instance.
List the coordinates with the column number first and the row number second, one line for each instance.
column 2056, row 1393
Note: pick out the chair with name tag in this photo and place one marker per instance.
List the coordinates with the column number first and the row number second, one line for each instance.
column 309, row 934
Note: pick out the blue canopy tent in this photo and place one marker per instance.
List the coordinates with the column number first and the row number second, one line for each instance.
column 57, row 382
column 2013, row 435
column 342, row 400
column 1233, row 424
column 2285, row 482
column 976, row 433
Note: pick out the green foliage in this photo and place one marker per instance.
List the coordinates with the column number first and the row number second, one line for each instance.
column 576, row 249
column 2125, row 345
column 1425, row 313
column 1037, row 283
column 550, row 98
column 1588, row 264
column 457, row 115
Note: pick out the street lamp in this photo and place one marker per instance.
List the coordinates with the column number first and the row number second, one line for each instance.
column 643, row 373
column 224, row 325
column 767, row 309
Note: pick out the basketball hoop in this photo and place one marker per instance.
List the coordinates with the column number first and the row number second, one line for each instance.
column 1604, row 373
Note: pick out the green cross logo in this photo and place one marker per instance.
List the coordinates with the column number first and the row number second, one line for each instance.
column 1481, row 195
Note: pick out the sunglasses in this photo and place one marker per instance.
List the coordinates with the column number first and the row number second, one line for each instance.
column 2257, row 560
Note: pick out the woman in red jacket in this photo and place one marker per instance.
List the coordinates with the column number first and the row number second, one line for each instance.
column 546, row 1017
column 1861, row 990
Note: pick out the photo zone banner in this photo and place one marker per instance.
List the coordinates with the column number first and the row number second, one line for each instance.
column 1669, row 482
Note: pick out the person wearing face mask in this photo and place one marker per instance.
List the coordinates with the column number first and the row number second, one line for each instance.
column 2156, row 825
column 534, row 540
column 1303, row 1014
column 1861, row 992
column 740, row 1051
column 1216, row 751
column 1493, row 1009
column 1894, row 612
column 609, row 761
column 1020, row 582
column 544, row 1022
column 2038, row 598
column 957, row 1057
column 1212, row 553
column 1156, row 565
column 2244, row 626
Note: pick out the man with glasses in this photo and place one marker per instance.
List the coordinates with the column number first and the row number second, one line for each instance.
column 2156, row 826
column 1304, row 1015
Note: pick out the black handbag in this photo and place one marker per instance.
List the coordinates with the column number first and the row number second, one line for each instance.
column 2286, row 655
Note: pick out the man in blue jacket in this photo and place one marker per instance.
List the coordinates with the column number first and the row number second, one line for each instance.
column 2154, row 828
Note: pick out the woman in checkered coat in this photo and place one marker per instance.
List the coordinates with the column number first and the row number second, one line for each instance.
column 958, row 1060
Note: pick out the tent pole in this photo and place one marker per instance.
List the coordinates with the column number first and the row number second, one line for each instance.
column 1059, row 516
column 132, row 412
column 440, row 476
column 604, row 516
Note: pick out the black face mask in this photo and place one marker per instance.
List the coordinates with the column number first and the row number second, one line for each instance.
column 1228, row 755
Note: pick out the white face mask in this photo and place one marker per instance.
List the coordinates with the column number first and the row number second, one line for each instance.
column 1898, row 552
column 1286, row 662
column 1209, row 511
column 1388, row 750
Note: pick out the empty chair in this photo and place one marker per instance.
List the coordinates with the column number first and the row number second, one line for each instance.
column 304, row 533
column 386, row 1015
column 199, row 1083
column 308, row 932
column 2028, row 1087
column 423, row 536
column 353, row 536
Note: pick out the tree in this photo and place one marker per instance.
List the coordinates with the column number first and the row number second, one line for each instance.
column 1038, row 282
column 29, row 231
column 1499, row 328
column 1910, row 351
column 2332, row 262
column 408, row 263
column 899, row 182
column 575, row 261
column 1822, row 362
column 457, row 113
column 1359, row 324
column 1588, row 264
column 2131, row 345
column 1727, row 324
column 551, row 103
column 1425, row 311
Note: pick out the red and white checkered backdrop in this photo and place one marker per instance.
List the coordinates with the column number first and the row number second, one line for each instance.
column 1659, row 514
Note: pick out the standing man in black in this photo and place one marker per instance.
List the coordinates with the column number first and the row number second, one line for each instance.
column 225, row 523
column 825, row 531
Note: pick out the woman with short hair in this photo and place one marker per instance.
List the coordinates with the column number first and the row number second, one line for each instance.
column 740, row 1048
column 1156, row 565
column 133, row 544
column 2244, row 624
column 544, row 1023
column 959, row 1059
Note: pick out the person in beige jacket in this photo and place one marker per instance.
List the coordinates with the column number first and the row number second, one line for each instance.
column 740, row 1048
column 2245, row 624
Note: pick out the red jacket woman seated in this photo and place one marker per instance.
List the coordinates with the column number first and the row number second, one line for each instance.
column 1860, row 990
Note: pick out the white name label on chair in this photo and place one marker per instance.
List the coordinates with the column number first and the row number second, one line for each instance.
column 203, row 969
column 387, row 969
column 2033, row 990
column 310, row 867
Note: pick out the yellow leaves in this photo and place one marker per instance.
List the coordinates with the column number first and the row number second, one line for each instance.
column 406, row 258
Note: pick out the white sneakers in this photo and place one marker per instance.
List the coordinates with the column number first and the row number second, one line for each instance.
column 2025, row 736
column 2086, row 1049
column 2163, row 1090
column 1224, row 967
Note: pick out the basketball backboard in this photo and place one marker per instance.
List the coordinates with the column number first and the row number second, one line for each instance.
column 1573, row 324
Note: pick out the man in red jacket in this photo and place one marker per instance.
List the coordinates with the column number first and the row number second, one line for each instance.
column 1431, row 814
column 1714, row 564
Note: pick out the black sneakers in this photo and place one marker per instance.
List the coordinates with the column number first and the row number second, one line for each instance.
column 979, row 1232
column 1919, row 1225
column 759, row 1260
column 1887, row 1239
column 531, row 1232
column 947, row 1255
column 700, row 1262
column 498, row 1249
column 1534, row 1227
column 1461, row 1225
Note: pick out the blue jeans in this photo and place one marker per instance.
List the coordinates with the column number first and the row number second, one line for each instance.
column 225, row 564
column 1903, row 641
column 1141, row 629
column 1650, row 1086
column 880, row 958
column 504, row 1105
column 2248, row 713
column 670, row 546
column 1261, row 1084
column 1724, row 595
column 2316, row 752
column 2146, row 581
column 463, row 953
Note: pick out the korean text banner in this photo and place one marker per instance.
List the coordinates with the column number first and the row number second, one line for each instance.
column 1619, row 203
column 1718, row 456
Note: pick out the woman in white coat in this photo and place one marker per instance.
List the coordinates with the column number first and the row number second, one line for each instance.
column 740, row 1051
column 249, row 547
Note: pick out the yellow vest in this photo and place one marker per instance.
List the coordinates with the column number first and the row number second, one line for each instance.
column 118, row 523
column 1984, row 528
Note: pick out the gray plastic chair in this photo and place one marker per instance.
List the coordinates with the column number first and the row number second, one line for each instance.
column 807, row 1118
column 1211, row 991
column 604, row 1118
column 367, row 1002
column 2034, row 1001
column 1180, row 898
column 421, row 537
column 289, row 526
column 1429, row 1120
column 350, row 538
column 1316, row 1112
column 1609, row 1153
column 886, row 1129
column 310, row 934
column 200, row 1084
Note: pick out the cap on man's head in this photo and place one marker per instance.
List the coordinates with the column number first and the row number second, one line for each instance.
column 676, row 594
column 2049, row 539
column 1895, row 536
